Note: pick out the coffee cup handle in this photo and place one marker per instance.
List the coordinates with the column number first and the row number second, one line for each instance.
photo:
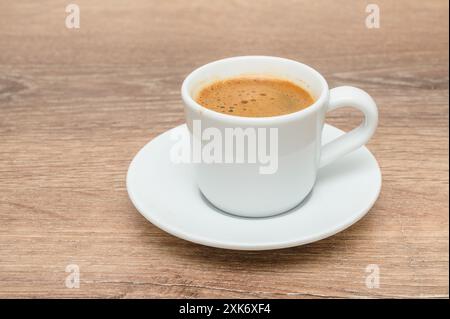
column 347, row 96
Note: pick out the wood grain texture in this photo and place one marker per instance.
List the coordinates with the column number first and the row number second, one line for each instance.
column 76, row 105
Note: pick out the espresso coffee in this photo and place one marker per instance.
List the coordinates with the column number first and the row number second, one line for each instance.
column 254, row 97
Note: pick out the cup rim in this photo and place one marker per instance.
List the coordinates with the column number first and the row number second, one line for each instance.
column 190, row 101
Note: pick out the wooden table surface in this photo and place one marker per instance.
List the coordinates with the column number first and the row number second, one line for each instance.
column 77, row 104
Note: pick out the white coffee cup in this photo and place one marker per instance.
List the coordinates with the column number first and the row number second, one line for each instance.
column 241, row 188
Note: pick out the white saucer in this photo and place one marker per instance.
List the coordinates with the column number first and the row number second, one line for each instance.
column 165, row 193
